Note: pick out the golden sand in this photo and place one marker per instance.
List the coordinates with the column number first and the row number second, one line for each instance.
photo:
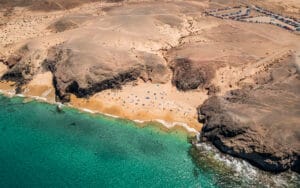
column 137, row 114
column 143, row 103
column 7, row 86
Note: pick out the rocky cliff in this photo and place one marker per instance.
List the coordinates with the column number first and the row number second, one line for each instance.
column 169, row 57
column 78, row 70
column 259, row 124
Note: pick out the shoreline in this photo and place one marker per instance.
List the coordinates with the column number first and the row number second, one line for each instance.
column 162, row 124
column 172, row 71
column 221, row 162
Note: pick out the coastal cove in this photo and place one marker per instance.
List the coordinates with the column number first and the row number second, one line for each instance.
column 111, row 107
column 44, row 146
column 147, row 93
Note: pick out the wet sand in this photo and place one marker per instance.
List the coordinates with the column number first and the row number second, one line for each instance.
column 140, row 102
column 147, row 102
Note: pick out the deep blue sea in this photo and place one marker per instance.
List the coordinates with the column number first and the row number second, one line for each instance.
column 43, row 147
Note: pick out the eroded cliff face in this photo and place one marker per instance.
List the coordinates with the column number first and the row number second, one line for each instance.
column 259, row 124
column 247, row 71
column 81, row 71
column 189, row 75
column 22, row 65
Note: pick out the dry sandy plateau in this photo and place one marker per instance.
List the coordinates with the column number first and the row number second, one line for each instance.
column 237, row 83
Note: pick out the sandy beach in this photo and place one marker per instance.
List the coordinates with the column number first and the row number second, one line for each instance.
column 231, row 67
column 141, row 102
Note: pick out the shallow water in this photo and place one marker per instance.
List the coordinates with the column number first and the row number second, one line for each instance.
column 42, row 147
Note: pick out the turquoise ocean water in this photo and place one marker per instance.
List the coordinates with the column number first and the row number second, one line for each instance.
column 42, row 147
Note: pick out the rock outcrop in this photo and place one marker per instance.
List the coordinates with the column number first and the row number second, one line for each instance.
column 188, row 75
column 83, row 72
column 69, row 22
column 260, row 124
column 252, row 110
column 22, row 65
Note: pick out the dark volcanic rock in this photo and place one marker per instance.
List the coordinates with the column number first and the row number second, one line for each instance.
column 21, row 65
column 62, row 25
column 261, row 125
column 188, row 75
column 69, row 22
column 85, row 68
column 17, row 56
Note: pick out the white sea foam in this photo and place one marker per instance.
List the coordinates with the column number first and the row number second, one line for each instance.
column 93, row 111
column 20, row 95
column 110, row 115
column 10, row 93
column 138, row 121
column 88, row 110
column 245, row 170
column 237, row 165
column 169, row 125
column 204, row 146
column 39, row 98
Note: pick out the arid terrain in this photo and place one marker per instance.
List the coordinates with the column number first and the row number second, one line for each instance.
column 236, row 82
